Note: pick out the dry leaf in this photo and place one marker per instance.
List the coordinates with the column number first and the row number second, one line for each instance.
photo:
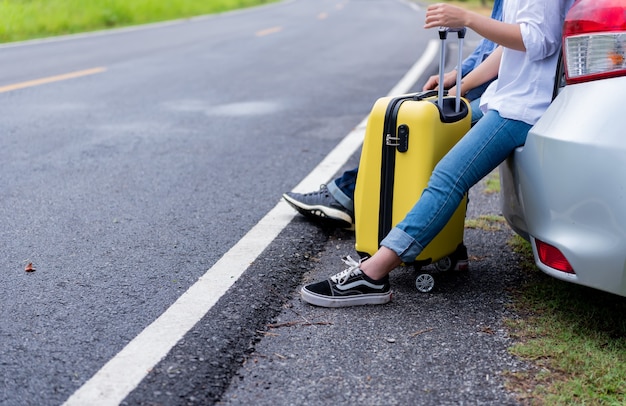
column 421, row 332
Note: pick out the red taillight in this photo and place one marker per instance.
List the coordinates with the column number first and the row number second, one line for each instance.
column 594, row 40
column 552, row 257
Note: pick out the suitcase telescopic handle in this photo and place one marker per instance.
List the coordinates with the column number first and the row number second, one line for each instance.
column 443, row 35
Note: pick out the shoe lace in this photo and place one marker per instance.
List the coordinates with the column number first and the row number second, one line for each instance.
column 322, row 190
column 352, row 270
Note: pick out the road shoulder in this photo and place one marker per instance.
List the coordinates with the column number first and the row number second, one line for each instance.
column 445, row 347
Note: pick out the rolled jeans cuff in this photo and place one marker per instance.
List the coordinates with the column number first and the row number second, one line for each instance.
column 341, row 197
column 402, row 244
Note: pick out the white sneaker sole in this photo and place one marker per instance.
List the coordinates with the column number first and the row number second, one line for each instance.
column 345, row 301
column 323, row 212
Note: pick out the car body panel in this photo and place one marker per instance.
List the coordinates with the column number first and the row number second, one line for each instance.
column 567, row 185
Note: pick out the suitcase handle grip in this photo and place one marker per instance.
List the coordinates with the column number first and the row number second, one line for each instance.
column 424, row 95
column 443, row 32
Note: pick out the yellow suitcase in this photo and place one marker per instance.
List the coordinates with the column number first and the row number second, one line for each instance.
column 405, row 138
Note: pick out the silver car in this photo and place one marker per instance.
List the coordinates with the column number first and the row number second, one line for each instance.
column 565, row 189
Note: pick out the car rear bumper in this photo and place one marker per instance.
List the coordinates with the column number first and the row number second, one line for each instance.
column 567, row 185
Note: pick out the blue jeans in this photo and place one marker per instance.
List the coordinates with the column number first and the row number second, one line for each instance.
column 342, row 188
column 480, row 151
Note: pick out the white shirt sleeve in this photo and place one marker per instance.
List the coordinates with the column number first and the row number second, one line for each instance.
column 541, row 24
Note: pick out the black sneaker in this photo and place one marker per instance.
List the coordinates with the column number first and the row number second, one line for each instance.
column 321, row 205
column 348, row 288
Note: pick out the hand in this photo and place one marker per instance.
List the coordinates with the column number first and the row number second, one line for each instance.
column 445, row 15
column 452, row 91
column 433, row 82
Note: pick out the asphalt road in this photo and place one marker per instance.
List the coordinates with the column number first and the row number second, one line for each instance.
column 133, row 160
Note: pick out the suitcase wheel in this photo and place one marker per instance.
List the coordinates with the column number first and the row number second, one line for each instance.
column 445, row 264
column 424, row 282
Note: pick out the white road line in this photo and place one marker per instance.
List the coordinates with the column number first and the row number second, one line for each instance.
column 118, row 377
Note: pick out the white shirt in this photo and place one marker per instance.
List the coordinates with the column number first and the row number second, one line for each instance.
column 523, row 90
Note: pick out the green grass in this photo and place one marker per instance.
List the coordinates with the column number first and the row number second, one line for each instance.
column 492, row 182
column 574, row 336
column 28, row 19
column 486, row 222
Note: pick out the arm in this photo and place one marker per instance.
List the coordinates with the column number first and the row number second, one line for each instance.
column 486, row 71
column 449, row 78
column 483, row 73
column 433, row 82
column 471, row 61
column 445, row 15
